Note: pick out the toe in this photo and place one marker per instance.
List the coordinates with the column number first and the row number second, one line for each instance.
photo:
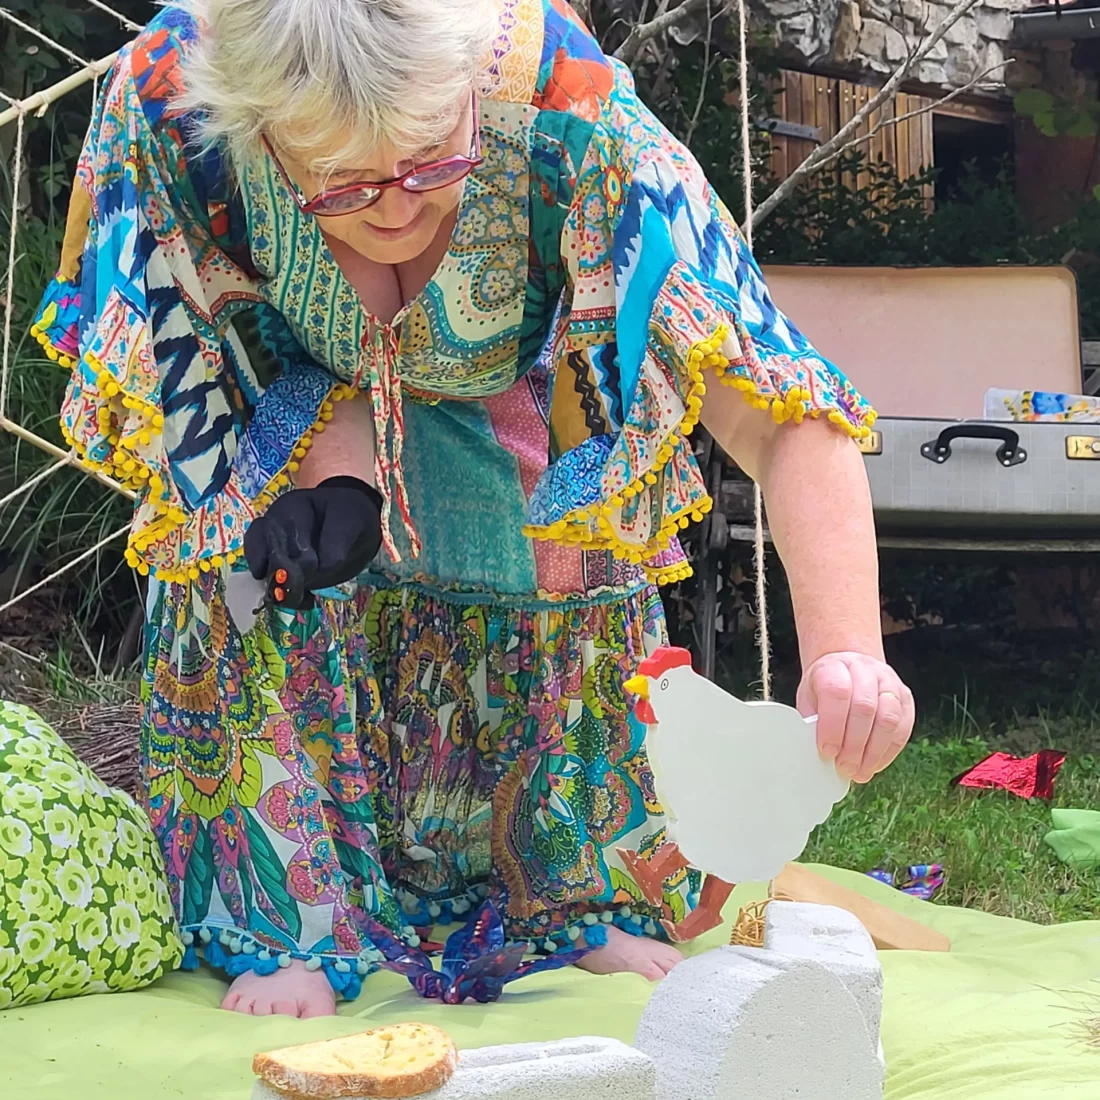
column 309, row 1007
column 247, row 1005
column 669, row 958
column 652, row 972
column 284, row 1008
column 231, row 1000
column 262, row 1008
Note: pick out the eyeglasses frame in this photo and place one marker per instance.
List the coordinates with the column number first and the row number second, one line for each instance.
column 315, row 205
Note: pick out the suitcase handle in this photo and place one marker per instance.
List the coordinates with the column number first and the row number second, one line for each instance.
column 1009, row 453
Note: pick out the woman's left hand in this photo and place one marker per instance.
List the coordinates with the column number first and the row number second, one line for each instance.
column 865, row 713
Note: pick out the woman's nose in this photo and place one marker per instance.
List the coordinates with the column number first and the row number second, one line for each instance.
column 396, row 208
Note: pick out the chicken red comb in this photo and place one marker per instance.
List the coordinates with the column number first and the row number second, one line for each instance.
column 663, row 660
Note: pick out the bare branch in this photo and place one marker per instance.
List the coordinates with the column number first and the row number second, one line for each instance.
column 704, row 80
column 830, row 149
column 644, row 32
column 882, row 124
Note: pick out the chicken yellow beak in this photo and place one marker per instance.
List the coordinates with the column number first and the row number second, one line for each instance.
column 638, row 685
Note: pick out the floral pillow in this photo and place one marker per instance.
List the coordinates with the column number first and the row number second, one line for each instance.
column 84, row 905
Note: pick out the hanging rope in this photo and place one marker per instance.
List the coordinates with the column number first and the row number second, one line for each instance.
column 759, row 550
column 128, row 24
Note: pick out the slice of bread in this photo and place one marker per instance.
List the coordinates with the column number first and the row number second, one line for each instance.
column 389, row 1063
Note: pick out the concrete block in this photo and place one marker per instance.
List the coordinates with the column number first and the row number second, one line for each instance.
column 834, row 938
column 572, row 1069
column 757, row 1025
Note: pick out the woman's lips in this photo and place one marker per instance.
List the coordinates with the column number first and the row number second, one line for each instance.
column 393, row 234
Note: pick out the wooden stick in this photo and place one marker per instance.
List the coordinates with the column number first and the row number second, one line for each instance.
column 58, row 452
column 890, row 930
column 89, row 553
column 41, row 100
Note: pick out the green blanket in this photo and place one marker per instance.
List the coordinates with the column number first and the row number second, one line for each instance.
column 1003, row 1016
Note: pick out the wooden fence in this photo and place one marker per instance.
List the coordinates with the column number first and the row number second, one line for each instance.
column 827, row 104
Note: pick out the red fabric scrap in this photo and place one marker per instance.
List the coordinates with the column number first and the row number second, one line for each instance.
column 1030, row 777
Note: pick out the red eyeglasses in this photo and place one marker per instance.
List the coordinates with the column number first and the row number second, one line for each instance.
column 353, row 197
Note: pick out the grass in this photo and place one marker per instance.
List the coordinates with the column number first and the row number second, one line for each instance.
column 990, row 842
column 979, row 688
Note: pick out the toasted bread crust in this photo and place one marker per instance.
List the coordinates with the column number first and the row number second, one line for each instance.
column 390, row 1063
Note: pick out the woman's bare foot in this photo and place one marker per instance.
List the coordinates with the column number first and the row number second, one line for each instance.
column 294, row 991
column 626, row 954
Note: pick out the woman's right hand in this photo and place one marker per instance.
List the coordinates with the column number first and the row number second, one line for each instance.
column 315, row 538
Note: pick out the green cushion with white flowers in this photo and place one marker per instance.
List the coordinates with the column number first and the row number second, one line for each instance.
column 84, row 905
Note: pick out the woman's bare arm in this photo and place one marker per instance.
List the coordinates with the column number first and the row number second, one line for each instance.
column 345, row 447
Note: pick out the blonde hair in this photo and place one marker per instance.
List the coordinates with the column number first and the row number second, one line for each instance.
column 328, row 80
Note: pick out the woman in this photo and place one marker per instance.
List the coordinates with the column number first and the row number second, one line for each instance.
column 345, row 256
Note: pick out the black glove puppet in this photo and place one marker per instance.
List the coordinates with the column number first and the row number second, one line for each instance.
column 314, row 538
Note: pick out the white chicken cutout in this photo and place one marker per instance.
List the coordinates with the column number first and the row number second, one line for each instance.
column 742, row 784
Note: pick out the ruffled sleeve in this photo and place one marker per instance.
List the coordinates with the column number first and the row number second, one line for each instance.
column 663, row 299
column 184, row 386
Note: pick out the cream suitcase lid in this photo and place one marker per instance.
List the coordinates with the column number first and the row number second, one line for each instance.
column 929, row 342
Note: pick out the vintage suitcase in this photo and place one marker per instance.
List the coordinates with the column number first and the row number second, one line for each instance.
column 952, row 478
column 925, row 345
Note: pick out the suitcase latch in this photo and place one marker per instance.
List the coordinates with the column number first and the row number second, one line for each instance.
column 1083, row 446
column 870, row 444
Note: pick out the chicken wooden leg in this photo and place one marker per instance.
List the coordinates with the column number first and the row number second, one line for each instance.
column 652, row 872
column 706, row 915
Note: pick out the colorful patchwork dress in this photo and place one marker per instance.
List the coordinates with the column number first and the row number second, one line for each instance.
column 454, row 725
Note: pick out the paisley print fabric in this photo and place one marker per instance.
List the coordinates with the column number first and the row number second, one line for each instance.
column 83, row 902
column 391, row 758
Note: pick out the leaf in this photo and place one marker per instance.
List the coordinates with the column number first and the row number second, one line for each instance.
column 1044, row 123
column 1030, row 102
column 1082, row 126
column 199, row 879
column 271, row 876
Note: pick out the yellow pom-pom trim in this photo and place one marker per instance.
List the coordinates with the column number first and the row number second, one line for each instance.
column 575, row 528
column 794, row 404
column 54, row 354
column 672, row 575
column 130, row 424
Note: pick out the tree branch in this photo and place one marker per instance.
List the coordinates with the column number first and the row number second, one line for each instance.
column 835, row 145
column 703, row 80
column 644, row 32
column 883, row 123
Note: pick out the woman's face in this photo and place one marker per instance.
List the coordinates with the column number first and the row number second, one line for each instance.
column 401, row 224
